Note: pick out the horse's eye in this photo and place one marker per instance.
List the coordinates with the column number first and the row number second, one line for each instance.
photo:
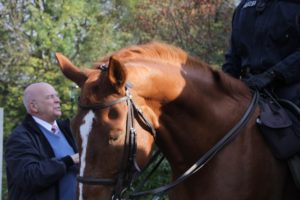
column 113, row 113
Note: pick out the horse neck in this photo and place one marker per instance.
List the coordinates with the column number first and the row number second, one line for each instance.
column 204, row 111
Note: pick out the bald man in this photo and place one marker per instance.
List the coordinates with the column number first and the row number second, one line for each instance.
column 41, row 155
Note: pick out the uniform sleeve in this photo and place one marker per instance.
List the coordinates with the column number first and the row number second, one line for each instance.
column 26, row 165
column 289, row 68
column 232, row 60
column 232, row 63
column 289, row 41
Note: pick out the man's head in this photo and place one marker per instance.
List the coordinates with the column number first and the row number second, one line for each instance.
column 42, row 101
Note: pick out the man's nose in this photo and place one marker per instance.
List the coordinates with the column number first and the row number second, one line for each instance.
column 57, row 99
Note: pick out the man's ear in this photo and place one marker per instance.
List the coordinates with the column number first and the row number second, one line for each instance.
column 33, row 107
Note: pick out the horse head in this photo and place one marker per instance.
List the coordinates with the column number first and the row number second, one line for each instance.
column 114, row 133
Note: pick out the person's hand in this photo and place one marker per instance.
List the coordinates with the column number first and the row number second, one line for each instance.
column 75, row 158
column 260, row 81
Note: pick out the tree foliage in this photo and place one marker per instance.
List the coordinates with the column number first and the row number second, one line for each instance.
column 199, row 27
column 31, row 33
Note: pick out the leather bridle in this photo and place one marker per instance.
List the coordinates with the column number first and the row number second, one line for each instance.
column 128, row 166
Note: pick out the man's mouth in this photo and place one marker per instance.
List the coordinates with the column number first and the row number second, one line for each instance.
column 58, row 108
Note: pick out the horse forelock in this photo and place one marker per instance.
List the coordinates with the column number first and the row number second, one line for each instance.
column 95, row 87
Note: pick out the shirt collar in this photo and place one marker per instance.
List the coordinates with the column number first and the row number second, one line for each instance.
column 43, row 123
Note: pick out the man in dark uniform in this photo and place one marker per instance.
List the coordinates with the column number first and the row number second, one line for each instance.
column 265, row 46
column 265, row 49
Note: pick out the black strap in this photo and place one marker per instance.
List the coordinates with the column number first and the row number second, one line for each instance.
column 153, row 162
column 101, row 105
column 95, row 181
column 128, row 167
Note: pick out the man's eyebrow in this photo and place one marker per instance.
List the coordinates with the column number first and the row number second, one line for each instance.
column 52, row 95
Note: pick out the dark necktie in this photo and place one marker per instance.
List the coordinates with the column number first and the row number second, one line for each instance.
column 54, row 128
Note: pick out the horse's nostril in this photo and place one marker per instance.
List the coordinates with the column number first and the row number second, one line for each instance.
column 114, row 136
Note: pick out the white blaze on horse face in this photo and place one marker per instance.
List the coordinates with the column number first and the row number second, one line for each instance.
column 85, row 130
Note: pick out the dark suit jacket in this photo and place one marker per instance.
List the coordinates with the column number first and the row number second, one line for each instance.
column 33, row 172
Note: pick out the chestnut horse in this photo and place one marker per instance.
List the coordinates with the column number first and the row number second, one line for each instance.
column 157, row 93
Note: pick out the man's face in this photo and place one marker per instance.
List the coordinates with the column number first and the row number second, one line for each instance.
column 47, row 103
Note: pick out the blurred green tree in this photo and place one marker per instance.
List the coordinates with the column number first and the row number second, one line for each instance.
column 200, row 27
column 31, row 33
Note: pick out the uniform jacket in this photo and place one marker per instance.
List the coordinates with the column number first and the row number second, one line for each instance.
column 33, row 172
column 266, row 34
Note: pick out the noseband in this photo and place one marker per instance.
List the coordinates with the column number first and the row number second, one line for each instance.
column 128, row 167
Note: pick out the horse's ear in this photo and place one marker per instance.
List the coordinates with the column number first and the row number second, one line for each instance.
column 117, row 74
column 70, row 70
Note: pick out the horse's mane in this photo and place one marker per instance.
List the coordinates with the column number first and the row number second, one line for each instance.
column 155, row 51
column 161, row 53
